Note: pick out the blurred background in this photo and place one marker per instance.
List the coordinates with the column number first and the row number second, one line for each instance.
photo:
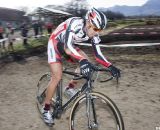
column 127, row 20
column 131, row 42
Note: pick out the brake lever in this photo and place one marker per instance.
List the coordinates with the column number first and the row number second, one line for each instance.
column 102, row 81
column 117, row 82
column 117, row 79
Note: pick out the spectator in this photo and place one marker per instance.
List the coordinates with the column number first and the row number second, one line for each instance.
column 11, row 39
column 24, row 33
column 8, row 29
column 1, row 36
column 49, row 27
column 36, row 28
column 41, row 27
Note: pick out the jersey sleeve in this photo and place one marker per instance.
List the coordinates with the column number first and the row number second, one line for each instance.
column 69, row 39
column 97, row 52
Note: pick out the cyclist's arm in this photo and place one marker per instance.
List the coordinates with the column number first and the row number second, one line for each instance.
column 98, row 54
column 69, row 40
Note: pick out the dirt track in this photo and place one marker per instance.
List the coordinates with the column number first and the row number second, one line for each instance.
column 138, row 95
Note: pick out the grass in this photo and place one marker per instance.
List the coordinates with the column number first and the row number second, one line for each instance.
column 32, row 44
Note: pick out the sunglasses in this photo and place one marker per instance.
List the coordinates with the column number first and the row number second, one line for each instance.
column 95, row 29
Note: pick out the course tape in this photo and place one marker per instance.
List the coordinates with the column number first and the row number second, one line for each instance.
column 101, row 45
column 122, row 45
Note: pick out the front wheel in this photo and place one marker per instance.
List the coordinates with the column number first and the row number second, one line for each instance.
column 96, row 112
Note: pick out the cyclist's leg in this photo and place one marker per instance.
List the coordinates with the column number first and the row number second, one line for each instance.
column 54, row 60
column 56, row 74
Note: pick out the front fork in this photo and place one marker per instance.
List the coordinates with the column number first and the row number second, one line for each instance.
column 90, row 111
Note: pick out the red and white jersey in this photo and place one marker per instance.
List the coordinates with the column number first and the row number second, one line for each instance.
column 72, row 31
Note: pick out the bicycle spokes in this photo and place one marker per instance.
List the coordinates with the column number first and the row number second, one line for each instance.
column 96, row 113
column 91, row 113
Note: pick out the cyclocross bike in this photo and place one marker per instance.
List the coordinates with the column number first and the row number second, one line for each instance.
column 90, row 110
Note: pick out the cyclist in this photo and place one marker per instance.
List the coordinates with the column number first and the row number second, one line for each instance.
column 61, row 43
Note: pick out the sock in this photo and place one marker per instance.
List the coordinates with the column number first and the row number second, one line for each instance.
column 70, row 85
column 47, row 107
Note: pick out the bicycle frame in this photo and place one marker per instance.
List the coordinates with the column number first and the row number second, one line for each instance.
column 85, row 100
column 59, row 107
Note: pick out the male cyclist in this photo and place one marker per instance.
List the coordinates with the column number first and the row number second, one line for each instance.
column 61, row 42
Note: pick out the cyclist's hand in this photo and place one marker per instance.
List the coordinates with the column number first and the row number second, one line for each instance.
column 85, row 67
column 114, row 71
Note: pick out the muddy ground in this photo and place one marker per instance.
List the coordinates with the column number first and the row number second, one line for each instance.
column 137, row 97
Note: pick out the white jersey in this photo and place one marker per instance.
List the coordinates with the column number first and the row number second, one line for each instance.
column 72, row 31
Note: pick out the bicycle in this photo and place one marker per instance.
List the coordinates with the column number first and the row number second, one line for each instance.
column 90, row 110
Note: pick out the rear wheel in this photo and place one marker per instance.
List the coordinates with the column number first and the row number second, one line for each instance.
column 98, row 113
